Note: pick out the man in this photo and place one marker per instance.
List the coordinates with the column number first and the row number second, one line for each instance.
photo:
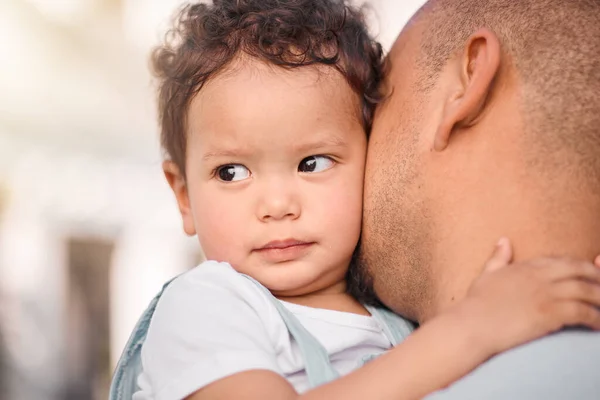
column 491, row 128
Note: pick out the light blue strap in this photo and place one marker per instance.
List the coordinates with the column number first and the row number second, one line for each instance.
column 394, row 326
column 316, row 359
column 124, row 381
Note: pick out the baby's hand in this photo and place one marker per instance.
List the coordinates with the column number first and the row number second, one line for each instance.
column 510, row 304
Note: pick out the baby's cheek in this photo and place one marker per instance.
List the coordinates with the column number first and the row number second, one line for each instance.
column 217, row 234
column 349, row 200
column 343, row 217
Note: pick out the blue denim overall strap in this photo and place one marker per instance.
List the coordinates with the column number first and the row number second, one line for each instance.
column 124, row 381
column 316, row 359
column 394, row 326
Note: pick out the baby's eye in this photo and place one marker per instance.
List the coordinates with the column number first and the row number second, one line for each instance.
column 232, row 173
column 315, row 164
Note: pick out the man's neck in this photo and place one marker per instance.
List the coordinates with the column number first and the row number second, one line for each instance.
column 567, row 225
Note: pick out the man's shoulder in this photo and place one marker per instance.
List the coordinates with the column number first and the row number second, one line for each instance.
column 565, row 365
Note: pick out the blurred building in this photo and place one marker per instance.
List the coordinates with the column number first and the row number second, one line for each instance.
column 88, row 228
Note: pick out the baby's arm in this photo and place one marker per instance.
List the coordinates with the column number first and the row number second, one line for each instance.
column 507, row 306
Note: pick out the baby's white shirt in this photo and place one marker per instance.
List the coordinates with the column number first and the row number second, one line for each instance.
column 212, row 322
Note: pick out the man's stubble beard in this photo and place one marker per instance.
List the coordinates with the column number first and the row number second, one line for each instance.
column 394, row 266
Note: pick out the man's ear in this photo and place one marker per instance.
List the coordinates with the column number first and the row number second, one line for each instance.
column 178, row 185
column 478, row 66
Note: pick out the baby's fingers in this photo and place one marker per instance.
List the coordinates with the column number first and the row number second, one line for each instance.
column 576, row 313
column 564, row 268
column 501, row 256
column 578, row 290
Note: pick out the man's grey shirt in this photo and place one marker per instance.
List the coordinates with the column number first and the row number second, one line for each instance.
column 562, row 366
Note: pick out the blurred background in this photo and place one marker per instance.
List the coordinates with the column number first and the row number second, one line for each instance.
column 88, row 228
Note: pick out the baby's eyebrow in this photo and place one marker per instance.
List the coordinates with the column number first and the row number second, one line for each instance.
column 222, row 153
column 323, row 143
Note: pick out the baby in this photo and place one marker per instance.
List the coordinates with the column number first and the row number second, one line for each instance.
column 265, row 107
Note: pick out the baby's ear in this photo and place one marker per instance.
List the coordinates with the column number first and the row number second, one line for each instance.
column 178, row 185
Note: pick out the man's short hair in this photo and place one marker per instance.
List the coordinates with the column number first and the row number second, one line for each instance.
column 554, row 46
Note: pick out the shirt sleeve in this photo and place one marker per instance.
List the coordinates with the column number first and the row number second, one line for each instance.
column 562, row 366
column 210, row 323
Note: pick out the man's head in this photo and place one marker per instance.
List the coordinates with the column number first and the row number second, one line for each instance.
column 492, row 122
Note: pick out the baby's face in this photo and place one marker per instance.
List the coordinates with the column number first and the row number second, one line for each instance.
column 275, row 163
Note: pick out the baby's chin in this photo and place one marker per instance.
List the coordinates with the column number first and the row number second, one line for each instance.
column 297, row 279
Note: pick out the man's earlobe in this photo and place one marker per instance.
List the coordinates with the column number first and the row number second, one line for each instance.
column 178, row 184
column 478, row 66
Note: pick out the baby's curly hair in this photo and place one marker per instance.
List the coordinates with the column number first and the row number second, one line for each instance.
column 287, row 33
